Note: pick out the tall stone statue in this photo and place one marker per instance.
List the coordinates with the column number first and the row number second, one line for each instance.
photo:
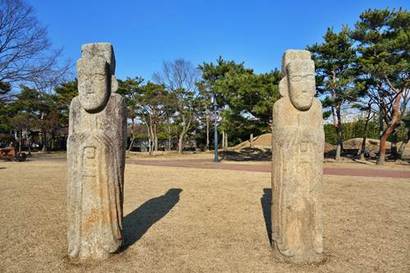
column 297, row 158
column 96, row 157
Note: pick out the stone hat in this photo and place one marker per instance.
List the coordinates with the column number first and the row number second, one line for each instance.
column 293, row 55
column 104, row 50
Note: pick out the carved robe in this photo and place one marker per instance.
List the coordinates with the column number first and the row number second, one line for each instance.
column 297, row 156
column 95, row 189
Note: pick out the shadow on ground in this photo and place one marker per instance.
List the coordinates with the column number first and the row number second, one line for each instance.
column 247, row 154
column 137, row 223
column 266, row 201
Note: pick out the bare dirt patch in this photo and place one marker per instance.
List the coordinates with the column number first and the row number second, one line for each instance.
column 197, row 220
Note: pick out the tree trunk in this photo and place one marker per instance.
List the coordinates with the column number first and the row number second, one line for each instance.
column 181, row 142
column 20, row 140
column 207, row 131
column 393, row 148
column 194, row 141
column 366, row 126
column 132, row 124
column 395, row 121
column 150, row 147
column 251, row 141
column 155, row 138
column 132, row 143
column 132, row 134
column 44, row 140
column 169, row 134
column 149, row 134
column 339, row 133
column 150, row 144
column 223, row 141
column 29, row 146
column 185, row 128
column 382, row 147
column 53, row 141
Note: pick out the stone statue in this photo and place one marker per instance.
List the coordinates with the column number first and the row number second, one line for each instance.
column 297, row 158
column 96, row 157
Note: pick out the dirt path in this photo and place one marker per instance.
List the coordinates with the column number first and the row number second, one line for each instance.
column 265, row 167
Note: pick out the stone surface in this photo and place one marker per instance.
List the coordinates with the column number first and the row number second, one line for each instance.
column 297, row 158
column 405, row 155
column 96, row 157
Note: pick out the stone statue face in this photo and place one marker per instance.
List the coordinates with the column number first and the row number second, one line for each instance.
column 93, row 84
column 301, row 83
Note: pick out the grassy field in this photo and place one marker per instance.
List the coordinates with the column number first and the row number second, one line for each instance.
column 195, row 220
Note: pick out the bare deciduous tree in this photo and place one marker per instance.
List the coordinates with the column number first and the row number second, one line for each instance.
column 180, row 77
column 26, row 55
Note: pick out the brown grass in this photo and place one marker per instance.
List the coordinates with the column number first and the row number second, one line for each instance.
column 170, row 155
column 194, row 220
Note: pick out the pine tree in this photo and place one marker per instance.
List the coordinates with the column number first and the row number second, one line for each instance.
column 335, row 62
column 383, row 38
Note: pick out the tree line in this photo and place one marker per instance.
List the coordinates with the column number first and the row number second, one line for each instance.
column 367, row 68
column 364, row 69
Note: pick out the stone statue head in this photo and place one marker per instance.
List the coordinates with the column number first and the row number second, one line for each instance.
column 96, row 80
column 299, row 81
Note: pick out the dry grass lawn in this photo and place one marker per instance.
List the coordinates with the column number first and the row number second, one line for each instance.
column 195, row 220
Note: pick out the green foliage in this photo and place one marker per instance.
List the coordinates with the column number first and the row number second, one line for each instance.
column 241, row 89
column 151, row 100
column 354, row 129
column 63, row 94
column 41, row 107
column 246, row 97
column 383, row 69
column 383, row 45
column 383, row 38
column 33, row 111
column 330, row 134
column 239, row 127
column 129, row 89
column 335, row 60
column 335, row 67
column 403, row 132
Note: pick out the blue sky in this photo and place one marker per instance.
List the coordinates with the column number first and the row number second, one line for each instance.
column 146, row 33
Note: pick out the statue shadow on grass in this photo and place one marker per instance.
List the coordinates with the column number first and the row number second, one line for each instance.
column 266, row 201
column 137, row 223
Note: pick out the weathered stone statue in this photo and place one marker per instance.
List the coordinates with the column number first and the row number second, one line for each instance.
column 297, row 158
column 96, row 157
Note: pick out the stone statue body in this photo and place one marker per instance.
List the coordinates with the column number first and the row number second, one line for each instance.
column 96, row 157
column 297, row 158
